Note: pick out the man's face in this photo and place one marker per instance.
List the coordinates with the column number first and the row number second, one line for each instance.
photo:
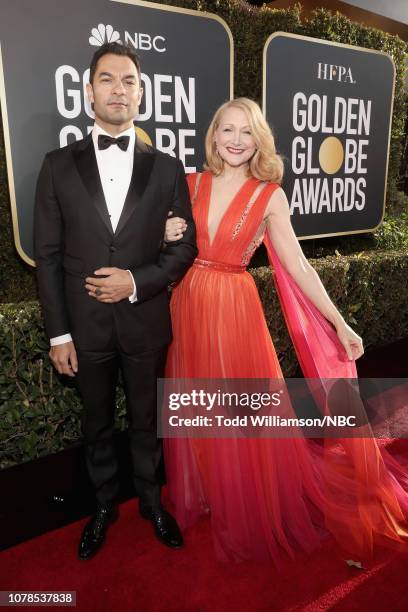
column 115, row 92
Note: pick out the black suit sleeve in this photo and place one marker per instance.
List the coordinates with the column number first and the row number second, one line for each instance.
column 48, row 248
column 177, row 257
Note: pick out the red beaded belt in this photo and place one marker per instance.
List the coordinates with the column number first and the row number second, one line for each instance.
column 218, row 265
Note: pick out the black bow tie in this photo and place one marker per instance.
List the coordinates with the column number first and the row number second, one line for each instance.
column 105, row 141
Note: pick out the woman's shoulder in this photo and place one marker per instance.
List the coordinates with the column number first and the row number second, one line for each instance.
column 192, row 177
column 193, row 181
column 276, row 198
column 271, row 187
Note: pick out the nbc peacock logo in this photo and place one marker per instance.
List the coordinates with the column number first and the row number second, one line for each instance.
column 139, row 40
column 103, row 34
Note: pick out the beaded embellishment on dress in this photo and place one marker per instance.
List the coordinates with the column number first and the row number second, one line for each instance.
column 253, row 245
column 248, row 207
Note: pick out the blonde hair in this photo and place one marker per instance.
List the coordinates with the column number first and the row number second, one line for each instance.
column 265, row 164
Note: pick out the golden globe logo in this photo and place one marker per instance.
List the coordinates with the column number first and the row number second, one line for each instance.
column 351, row 119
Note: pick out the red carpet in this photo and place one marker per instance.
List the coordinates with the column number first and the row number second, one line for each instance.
column 135, row 572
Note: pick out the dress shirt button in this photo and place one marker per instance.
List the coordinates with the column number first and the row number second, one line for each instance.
column 112, row 249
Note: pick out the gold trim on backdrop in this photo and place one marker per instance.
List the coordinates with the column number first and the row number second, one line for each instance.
column 178, row 9
column 7, row 143
column 9, row 166
column 355, row 48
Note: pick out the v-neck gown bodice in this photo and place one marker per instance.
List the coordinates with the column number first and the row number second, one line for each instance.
column 266, row 498
column 217, row 297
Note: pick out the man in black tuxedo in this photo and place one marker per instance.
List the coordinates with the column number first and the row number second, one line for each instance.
column 100, row 214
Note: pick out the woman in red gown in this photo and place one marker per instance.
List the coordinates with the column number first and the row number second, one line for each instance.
column 266, row 498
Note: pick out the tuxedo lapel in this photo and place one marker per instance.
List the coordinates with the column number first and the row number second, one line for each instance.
column 87, row 165
column 142, row 167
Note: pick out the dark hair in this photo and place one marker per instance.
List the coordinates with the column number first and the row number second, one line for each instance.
column 117, row 49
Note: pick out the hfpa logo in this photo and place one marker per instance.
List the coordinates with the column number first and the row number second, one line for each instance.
column 331, row 72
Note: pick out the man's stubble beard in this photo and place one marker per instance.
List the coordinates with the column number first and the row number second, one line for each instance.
column 113, row 120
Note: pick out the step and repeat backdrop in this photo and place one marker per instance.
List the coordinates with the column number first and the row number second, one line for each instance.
column 330, row 107
column 46, row 49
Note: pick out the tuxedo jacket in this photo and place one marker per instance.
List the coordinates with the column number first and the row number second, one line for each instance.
column 73, row 237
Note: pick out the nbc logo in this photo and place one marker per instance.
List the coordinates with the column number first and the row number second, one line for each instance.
column 103, row 34
column 144, row 42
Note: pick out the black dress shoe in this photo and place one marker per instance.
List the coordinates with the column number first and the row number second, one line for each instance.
column 165, row 526
column 93, row 535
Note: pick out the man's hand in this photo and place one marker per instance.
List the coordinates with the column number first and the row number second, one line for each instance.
column 64, row 358
column 115, row 287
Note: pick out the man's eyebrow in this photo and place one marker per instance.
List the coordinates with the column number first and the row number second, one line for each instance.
column 109, row 74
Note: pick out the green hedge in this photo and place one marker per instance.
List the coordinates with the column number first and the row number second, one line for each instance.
column 39, row 411
column 251, row 27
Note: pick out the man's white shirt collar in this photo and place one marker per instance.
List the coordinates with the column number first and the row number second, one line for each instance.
column 97, row 130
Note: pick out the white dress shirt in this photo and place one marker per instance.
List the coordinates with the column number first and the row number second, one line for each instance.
column 115, row 170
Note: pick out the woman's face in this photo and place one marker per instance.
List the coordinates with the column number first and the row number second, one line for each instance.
column 233, row 137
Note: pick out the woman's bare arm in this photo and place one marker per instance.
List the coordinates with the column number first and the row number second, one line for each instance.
column 290, row 253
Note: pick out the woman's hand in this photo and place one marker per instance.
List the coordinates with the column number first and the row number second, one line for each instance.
column 352, row 343
column 175, row 228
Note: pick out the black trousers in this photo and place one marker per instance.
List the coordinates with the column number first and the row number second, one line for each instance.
column 97, row 379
